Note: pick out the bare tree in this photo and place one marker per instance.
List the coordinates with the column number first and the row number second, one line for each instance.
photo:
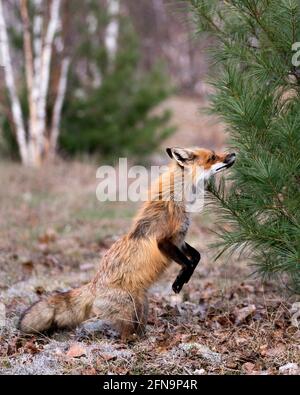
column 38, row 40
column 11, row 88
column 33, row 146
column 112, row 29
column 61, row 92
column 46, row 67
column 52, row 38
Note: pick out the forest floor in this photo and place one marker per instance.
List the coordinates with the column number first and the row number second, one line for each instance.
column 53, row 232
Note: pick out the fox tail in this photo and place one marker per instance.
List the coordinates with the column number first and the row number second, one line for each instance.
column 61, row 310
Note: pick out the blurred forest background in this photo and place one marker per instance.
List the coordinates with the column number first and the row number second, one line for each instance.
column 83, row 82
column 85, row 76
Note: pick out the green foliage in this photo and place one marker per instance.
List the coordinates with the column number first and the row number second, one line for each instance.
column 8, row 143
column 116, row 119
column 257, row 96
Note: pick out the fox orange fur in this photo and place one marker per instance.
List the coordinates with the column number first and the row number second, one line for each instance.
column 118, row 292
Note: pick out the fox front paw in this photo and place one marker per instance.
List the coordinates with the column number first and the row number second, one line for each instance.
column 177, row 286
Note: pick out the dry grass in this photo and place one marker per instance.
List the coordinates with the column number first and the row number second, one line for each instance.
column 53, row 232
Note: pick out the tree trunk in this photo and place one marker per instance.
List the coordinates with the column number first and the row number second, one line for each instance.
column 112, row 30
column 11, row 88
column 46, row 68
column 38, row 42
column 33, row 138
column 61, row 92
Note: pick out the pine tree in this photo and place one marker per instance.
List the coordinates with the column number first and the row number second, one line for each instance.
column 257, row 86
column 114, row 116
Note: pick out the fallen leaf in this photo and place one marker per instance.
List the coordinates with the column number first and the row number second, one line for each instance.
column 51, row 261
column 31, row 348
column 231, row 365
column 279, row 323
column 58, row 352
column 248, row 367
column 263, row 349
column 276, row 351
column 49, row 236
column 89, row 372
column 223, row 320
column 39, row 290
column 278, row 334
column 28, row 266
column 247, row 288
column 76, row 351
column 241, row 340
column 107, row 357
column 242, row 314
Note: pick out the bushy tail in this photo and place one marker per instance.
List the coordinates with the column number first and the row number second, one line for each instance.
column 62, row 310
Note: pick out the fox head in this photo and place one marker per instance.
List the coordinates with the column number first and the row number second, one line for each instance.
column 209, row 162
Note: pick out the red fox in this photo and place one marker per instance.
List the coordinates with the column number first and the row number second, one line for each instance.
column 118, row 292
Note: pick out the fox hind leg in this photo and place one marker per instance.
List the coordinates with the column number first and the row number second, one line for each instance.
column 133, row 324
column 125, row 312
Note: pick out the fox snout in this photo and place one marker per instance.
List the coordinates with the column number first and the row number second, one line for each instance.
column 210, row 161
column 230, row 160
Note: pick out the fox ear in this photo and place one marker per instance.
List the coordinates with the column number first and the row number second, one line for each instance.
column 169, row 152
column 181, row 155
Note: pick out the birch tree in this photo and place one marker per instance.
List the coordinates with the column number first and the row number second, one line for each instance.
column 33, row 137
column 11, row 88
column 61, row 92
column 39, row 34
column 112, row 29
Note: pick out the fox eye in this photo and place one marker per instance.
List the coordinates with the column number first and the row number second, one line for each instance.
column 212, row 158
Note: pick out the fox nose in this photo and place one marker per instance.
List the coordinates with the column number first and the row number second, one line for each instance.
column 230, row 158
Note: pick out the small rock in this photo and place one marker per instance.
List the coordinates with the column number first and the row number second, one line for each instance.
column 27, row 197
column 295, row 312
column 203, row 351
column 264, row 373
column 289, row 368
column 95, row 327
column 199, row 372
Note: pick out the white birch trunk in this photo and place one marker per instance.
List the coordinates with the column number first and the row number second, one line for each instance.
column 61, row 92
column 46, row 66
column 34, row 150
column 112, row 30
column 37, row 46
column 37, row 37
column 11, row 88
